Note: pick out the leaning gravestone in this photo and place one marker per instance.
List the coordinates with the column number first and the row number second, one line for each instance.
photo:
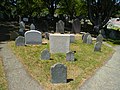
column 97, row 46
column 33, row 37
column 85, row 37
column 59, row 73
column 22, row 27
column 59, row 43
column 76, row 26
column 70, row 56
column 20, row 41
column 99, row 38
column 60, row 27
column 45, row 55
column 32, row 27
column 89, row 39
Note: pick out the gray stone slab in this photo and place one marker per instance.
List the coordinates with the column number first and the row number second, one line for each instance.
column 97, row 46
column 22, row 26
column 72, row 38
column 85, row 37
column 58, row 73
column 59, row 43
column 45, row 55
column 60, row 27
column 33, row 37
column 76, row 26
column 99, row 38
column 70, row 56
column 32, row 27
column 20, row 41
column 89, row 39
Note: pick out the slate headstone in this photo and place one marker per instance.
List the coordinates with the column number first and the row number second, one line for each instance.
column 46, row 35
column 89, row 39
column 59, row 43
column 99, row 38
column 85, row 37
column 97, row 46
column 33, row 37
column 45, row 55
column 32, row 27
column 60, row 27
column 59, row 73
column 20, row 41
column 70, row 56
column 76, row 26
column 72, row 38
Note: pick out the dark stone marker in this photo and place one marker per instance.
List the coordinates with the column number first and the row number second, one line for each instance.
column 85, row 37
column 20, row 41
column 46, row 35
column 76, row 26
column 97, row 46
column 89, row 39
column 99, row 38
column 70, row 56
column 59, row 73
column 45, row 55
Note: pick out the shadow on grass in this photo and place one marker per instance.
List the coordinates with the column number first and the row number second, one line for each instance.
column 69, row 80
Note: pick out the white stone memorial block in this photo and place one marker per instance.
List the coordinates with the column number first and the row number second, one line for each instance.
column 59, row 43
column 33, row 37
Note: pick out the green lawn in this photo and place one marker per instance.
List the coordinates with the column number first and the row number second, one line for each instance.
column 87, row 61
column 3, row 82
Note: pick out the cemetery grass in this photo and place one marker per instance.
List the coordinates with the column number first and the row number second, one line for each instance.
column 86, row 63
column 3, row 82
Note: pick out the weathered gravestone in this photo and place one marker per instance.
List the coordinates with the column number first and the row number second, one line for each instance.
column 46, row 35
column 85, row 37
column 45, row 55
column 60, row 27
column 33, row 37
column 59, row 43
column 99, row 38
column 72, row 38
column 97, row 46
column 70, row 56
column 89, row 39
column 59, row 73
column 32, row 27
column 20, row 41
column 76, row 26
column 22, row 27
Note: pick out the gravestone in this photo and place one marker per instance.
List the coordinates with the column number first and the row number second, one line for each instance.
column 46, row 35
column 89, row 39
column 102, row 32
column 76, row 26
column 70, row 56
column 13, row 35
column 59, row 73
column 22, row 27
column 72, row 38
column 97, row 46
column 32, row 27
column 60, row 27
column 85, row 37
column 99, row 38
column 59, row 43
column 45, row 55
column 20, row 41
column 33, row 37
column 112, row 34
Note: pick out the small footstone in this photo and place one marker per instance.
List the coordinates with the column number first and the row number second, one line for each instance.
column 45, row 55
column 70, row 56
column 97, row 46
column 58, row 73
